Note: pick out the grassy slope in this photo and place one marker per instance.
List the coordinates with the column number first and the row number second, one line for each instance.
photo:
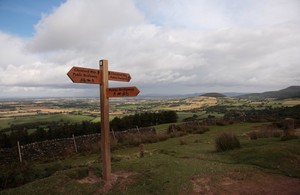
column 168, row 166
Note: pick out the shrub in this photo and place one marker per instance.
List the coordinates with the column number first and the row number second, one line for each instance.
column 137, row 139
column 277, row 133
column 162, row 137
column 226, row 141
column 182, row 142
column 200, row 129
column 222, row 123
column 77, row 173
column 252, row 134
column 264, row 133
column 288, row 137
column 178, row 134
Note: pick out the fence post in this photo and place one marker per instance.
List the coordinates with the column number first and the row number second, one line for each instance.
column 137, row 128
column 75, row 145
column 19, row 150
column 112, row 130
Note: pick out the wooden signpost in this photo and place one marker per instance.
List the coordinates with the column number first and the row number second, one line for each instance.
column 101, row 76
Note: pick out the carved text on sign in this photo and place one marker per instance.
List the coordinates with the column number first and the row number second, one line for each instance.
column 93, row 76
column 118, row 76
column 123, row 92
column 84, row 75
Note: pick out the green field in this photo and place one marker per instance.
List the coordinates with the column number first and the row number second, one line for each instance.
column 7, row 122
column 170, row 167
column 130, row 107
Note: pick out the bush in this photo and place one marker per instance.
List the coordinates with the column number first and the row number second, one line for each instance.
column 200, row 129
column 288, row 137
column 252, row 135
column 137, row 139
column 222, row 123
column 77, row 173
column 264, row 133
column 182, row 142
column 227, row 141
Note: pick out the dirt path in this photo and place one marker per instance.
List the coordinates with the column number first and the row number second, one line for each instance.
column 122, row 178
column 246, row 183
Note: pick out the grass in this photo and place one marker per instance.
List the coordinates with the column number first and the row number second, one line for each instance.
column 291, row 102
column 168, row 166
column 162, row 127
column 7, row 122
column 227, row 141
column 183, row 115
column 111, row 117
column 271, row 153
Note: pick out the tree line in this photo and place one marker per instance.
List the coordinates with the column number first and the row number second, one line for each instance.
column 61, row 129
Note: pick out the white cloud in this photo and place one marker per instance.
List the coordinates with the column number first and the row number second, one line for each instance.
column 12, row 50
column 167, row 46
column 80, row 25
column 219, row 14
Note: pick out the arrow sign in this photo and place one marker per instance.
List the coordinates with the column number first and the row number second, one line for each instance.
column 93, row 76
column 84, row 75
column 119, row 76
column 123, row 92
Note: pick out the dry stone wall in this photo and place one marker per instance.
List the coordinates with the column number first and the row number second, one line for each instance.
column 59, row 147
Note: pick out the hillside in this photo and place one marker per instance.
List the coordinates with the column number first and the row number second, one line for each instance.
column 290, row 92
column 213, row 95
column 178, row 165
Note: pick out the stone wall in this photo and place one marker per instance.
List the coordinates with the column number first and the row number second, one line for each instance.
column 59, row 147
column 193, row 124
column 48, row 149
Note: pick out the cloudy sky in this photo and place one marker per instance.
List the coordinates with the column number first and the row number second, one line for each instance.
column 168, row 46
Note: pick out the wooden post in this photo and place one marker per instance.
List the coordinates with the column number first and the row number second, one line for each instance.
column 137, row 128
column 104, row 109
column 19, row 150
column 74, row 141
column 101, row 77
column 142, row 150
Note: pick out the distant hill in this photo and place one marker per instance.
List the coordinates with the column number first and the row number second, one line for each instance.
column 213, row 95
column 233, row 94
column 290, row 92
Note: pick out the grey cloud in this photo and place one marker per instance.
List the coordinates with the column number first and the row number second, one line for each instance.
column 160, row 59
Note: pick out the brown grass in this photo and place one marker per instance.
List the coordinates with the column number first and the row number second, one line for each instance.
column 265, row 131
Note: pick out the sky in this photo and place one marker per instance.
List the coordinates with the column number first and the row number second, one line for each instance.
column 167, row 46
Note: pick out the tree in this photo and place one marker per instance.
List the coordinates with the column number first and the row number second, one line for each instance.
column 4, row 141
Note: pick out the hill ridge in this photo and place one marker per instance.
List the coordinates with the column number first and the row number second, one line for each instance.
column 289, row 92
column 213, row 94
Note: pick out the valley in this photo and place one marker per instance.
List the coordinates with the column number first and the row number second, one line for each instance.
column 180, row 158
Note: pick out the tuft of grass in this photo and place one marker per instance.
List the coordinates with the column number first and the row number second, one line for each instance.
column 227, row 141
column 200, row 129
column 137, row 139
column 288, row 137
column 265, row 133
column 182, row 142
column 279, row 156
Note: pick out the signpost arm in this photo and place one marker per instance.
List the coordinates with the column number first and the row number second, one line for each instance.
column 105, row 134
